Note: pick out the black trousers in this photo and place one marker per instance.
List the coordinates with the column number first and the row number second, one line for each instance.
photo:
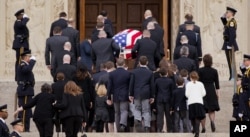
column 161, row 109
column 25, row 115
column 45, row 127
column 72, row 126
column 229, row 56
column 99, row 125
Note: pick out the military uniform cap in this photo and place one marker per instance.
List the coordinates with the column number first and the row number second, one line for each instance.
column 26, row 53
column 245, row 56
column 231, row 9
column 189, row 22
column 16, row 121
column 19, row 12
column 3, row 108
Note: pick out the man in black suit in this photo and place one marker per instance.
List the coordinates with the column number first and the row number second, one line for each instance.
column 107, row 27
column 141, row 92
column 118, row 88
column 17, row 127
column 4, row 130
column 59, row 57
column 66, row 68
column 184, row 62
column 25, row 88
column 74, row 38
column 194, row 38
column 54, row 45
column 148, row 17
column 61, row 22
column 146, row 47
column 157, row 37
column 192, row 50
column 104, row 50
column 182, row 27
column 21, row 36
column 95, row 32
column 104, row 13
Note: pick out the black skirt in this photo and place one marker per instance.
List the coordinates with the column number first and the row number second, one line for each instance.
column 196, row 111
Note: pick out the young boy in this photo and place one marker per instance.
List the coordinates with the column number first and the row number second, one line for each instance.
column 179, row 105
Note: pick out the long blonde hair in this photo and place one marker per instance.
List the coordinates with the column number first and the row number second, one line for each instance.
column 71, row 88
column 101, row 90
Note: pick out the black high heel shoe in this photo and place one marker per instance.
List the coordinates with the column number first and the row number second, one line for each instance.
column 203, row 130
column 213, row 126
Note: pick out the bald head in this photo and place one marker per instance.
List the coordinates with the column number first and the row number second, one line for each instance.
column 151, row 26
column 100, row 18
column 147, row 14
column 184, row 39
column 102, row 34
column 67, row 46
column 146, row 34
column 66, row 59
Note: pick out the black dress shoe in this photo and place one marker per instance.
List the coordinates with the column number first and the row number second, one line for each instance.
column 203, row 130
column 196, row 135
column 213, row 126
column 146, row 129
column 122, row 128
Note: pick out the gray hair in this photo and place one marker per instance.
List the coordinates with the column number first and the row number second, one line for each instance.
column 184, row 51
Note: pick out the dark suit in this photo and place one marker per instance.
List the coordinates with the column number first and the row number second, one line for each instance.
column 157, row 37
column 68, row 70
column 194, row 39
column 14, row 134
column 192, row 52
column 185, row 63
column 43, row 113
column 85, row 51
column 163, row 90
column 109, row 22
column 229, row 36
column 60, row 23
column 146, row 47
column 73, row 113
column 104, row 50
column 98, row 76
column 142, row 83
column 21, row 39
column 74, row 39
column 59, row 59
column 4, row 130
column 182, row 28
column 95, row 33
column 54, row 45
column 145, row 22
column 25, row 90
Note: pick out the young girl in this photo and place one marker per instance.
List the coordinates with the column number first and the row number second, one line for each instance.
column 101, row 110
column 195, row 92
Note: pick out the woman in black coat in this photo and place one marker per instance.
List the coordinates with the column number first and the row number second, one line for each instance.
column 209, row 77
column 84, row 81
column 44, row 111
column 73, row 112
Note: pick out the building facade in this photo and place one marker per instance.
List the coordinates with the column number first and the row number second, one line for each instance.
column 124, row 14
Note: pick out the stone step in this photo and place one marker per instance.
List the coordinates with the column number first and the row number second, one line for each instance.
column 223, row 117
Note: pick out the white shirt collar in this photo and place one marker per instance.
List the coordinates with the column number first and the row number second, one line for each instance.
column 17, row 132
column 2, row 120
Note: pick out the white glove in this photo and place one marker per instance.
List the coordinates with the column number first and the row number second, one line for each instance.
column 240, row 115
column 228, row 47
column 25, row 16
column 33, row 58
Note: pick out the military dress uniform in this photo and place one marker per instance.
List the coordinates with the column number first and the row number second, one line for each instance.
column 21, row 36
column 229, row 36
column 4, row 130
column 16, row 133
column 25, row 89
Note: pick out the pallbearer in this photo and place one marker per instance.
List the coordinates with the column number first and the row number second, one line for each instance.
column 17, row 128
column 229, row 36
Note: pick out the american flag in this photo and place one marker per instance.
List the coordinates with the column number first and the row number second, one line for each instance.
column 126, row 39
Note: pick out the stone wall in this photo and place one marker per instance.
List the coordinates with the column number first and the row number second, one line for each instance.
column 207, row 15
column 42, row 13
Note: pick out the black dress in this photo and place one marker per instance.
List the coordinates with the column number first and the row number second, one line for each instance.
column 101, row 109
column 209, row 77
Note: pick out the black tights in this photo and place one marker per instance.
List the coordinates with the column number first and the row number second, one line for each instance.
column 196, row 125
column 99, row 126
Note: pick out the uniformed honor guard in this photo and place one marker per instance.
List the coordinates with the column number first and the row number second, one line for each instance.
column 17, row 128
column 229, row 36
column 4, row 130
column 21, row 36
column 25, row 89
